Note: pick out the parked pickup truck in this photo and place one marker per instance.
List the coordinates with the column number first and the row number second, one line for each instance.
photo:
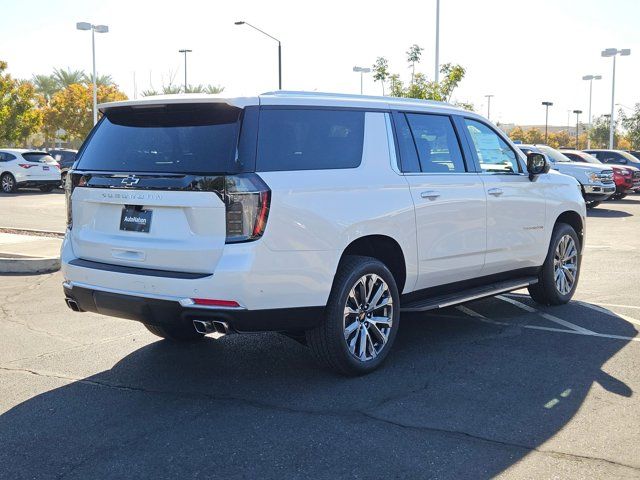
column 596, row 182
column 320, row 216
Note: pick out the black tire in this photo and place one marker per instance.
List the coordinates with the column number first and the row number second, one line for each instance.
column 47, row 188
column 592, row 204
column 175, row 333
column 327, row 341
column 622, row 195
column 63, row 179
column 545, row 291
column 8, row 183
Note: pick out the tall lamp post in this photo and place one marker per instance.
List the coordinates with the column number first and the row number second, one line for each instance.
column 241, row 22
column 362, row 71
column 546, row 120
column 436, row 75
column 489, row 97
column 94, row 29
column 577, row 112
column 590, row 79
column 613, row 52
column 185, row 51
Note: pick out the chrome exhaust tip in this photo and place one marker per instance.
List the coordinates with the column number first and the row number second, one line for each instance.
column 205, row 327
column 72, row 304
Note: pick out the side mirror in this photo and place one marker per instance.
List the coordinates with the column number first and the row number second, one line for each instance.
column 537, row 164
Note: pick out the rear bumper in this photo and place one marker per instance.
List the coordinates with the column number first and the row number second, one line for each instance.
column 164, row 311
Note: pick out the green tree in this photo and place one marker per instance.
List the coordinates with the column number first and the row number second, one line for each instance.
column 212, row 89
column 19, row 117
column 45, row 85
column 631, row 124
column 518, row 135
column 534, row 135
column 600, row 132
column 413, row 56
column 381, row 71
column 65, row 78
column 101, row 80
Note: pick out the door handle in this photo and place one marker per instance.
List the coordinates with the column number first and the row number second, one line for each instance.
column 430, row 194
column 496, row 192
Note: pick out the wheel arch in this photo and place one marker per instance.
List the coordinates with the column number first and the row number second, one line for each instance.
column 384, row 248
column 575, row 220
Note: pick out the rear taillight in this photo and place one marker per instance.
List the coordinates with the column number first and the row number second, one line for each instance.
column 25, row 165
column 247, row 199
column 72, row 181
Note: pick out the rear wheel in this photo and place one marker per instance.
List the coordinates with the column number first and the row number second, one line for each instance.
column 361, row 318
column 47, row 188
column 176, row 333
column 558, row 278
column 8, row 183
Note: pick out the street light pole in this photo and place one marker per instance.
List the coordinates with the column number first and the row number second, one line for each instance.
column 489, row 106
column 546, row 120
column 577, row 112
column 436, row 74
column 590, row 78
column 362, row 71
column 242, row 22
column 94, row 29
column 185, row 51
column 613, row 52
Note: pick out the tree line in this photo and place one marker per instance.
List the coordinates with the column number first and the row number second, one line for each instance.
column 59, row 106
column 626, row 134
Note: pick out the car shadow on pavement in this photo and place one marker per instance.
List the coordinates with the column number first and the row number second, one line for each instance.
column 603, row 212
column 458, row 398
column 31, row 192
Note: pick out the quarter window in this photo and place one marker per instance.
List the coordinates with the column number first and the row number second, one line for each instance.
column 437, row 143
column 309, row 139
column 494, row 155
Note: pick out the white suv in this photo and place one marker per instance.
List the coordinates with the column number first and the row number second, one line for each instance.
column 321, row 216
column 27, row 168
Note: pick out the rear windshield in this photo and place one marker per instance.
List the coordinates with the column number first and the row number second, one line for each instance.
column 39, row 157
column 198, row 139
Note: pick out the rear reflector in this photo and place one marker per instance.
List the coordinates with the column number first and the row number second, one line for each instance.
column 215, row 303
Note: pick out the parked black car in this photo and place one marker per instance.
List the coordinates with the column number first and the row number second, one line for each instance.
column 65, row 158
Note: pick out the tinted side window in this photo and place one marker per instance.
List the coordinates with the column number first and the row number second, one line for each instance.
column 437, row 143
column 408, row 155
column 309, row 139
column 494, row 155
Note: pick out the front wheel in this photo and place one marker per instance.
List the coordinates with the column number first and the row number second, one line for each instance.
column 559, row 275
column 592, row 204
column 361, row 318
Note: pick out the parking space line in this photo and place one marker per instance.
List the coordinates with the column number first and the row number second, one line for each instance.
column 600, row 309
column 585, row 332
column 547, row 316
column 615, row 305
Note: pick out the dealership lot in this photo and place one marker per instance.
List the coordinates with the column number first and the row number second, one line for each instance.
column 498, row 387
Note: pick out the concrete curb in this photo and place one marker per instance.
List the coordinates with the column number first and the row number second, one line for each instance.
column 29, row 265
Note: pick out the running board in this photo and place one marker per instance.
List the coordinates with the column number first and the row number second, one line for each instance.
column 442, row 301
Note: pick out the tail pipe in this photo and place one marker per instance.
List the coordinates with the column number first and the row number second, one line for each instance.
column 205, row 327
column 73, row 305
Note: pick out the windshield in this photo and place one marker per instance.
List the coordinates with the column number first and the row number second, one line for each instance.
column 629, row 157
column 38, row 157
column 555, row 155
column 197, row 139
column 582, row 157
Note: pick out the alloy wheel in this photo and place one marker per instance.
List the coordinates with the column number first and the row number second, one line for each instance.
column 368, row 317
column 565, row 264
column 7, row 184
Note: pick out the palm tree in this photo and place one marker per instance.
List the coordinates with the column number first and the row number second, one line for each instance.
column 67, row 77
column 101, row 80
column 213, row 89
column 45, row 85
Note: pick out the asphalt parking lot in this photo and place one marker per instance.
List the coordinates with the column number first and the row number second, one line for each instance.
column 496, row 388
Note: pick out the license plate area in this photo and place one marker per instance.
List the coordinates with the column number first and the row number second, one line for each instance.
column 135, row 219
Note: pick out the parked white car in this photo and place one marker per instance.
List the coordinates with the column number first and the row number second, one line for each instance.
column 27, row 168
column 322, row 216
column 596, row 181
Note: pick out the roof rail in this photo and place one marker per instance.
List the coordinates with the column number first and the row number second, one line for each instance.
column 299, row 93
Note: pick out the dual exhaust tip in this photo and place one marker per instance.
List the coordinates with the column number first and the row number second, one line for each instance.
column 205, row 327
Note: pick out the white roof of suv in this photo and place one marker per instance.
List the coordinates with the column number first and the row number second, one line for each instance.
column 293, row 98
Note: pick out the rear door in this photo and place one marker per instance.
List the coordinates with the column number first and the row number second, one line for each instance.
column 39, row 166
column 152, row 184
column 515, row 204
column 450, row 203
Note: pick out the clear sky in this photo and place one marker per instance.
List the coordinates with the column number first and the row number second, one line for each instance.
column 521, row 52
